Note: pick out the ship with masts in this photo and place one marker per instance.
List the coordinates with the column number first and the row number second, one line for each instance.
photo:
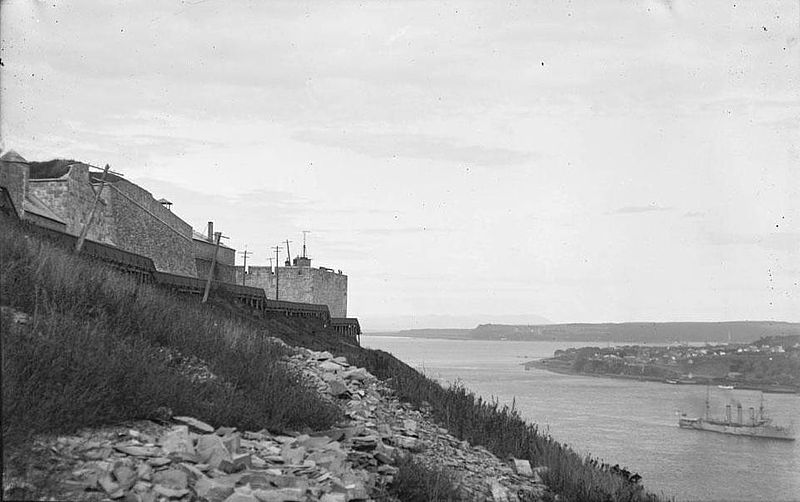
column 756, row 425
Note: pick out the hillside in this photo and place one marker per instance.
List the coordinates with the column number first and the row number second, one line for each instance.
column 769, row 364
column 633, row 332
column 97, row 366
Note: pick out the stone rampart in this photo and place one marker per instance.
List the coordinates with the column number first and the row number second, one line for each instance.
column 14, row 177
column 146, row 227
column 226, row 258
column 301, row 284
column 71, row 198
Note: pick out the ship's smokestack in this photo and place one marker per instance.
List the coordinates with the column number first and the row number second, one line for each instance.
column 739, row 414
column 728, row 413
column 752, row 416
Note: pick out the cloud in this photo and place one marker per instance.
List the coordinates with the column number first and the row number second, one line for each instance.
column 641, row 209
column 694, row 214
column 784, row 241
column 417, row 146
column 401, row 230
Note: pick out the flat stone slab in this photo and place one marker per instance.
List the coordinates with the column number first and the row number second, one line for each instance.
column 197, row 424
column 522, row 467
column 137, row 451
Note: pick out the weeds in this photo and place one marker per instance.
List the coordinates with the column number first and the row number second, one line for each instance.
column 101, row 348
column 416, row 482
column 503, row 432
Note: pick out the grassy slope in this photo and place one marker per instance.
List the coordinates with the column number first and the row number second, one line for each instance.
column 103, row 349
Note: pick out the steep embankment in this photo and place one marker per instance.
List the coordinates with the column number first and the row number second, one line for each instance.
column 99, row 349
column 356, row 460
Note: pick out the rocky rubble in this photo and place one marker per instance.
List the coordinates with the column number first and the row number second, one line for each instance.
column 190, row 460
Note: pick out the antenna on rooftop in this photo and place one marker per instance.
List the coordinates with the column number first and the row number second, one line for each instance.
column 288, row 254
column 305, row 232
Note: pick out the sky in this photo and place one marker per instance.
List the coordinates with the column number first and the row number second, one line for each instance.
column 577, row 161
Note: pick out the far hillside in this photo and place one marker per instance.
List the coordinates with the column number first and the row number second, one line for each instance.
column 632, row 332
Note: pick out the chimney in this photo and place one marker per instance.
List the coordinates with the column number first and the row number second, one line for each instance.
column 210, row 231
column 739, row 413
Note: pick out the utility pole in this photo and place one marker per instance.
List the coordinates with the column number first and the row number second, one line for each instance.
column 85, row 229
column 244, row 253
column 218, row 236
column 305, row 232
column 277, row 250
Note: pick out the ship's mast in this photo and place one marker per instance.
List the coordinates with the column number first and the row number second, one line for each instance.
column 707, row 397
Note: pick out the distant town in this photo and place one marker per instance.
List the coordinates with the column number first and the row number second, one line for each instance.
column 771, row 364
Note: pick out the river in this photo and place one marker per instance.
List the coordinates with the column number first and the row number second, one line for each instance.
column 625, row 422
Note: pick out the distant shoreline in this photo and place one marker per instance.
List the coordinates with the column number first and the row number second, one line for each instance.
column 635, row 333
column 399, row 334
column 564, row 369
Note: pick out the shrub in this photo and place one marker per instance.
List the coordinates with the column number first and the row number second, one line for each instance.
column 503, row 432
column 101, row 348
column 416, row 482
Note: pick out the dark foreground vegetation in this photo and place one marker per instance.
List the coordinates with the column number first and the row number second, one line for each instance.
column 100, row 349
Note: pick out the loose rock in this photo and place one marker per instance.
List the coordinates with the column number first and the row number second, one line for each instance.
column 189, row 460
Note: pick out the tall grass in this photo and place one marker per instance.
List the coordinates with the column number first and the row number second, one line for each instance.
column 503, row 432
column 102, row 348
column 415, row 482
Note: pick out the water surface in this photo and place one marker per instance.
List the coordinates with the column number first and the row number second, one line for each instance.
column 624, row 422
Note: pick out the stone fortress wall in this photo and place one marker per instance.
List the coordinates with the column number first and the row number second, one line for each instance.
column 60, row 194
column 204, row 245
column 14, row 177
column 71, row 198
column 144, row 226
column 127, row 216
column 301, row 284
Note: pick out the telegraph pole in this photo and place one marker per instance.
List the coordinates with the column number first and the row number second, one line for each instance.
column 244, row 254
column 218, row 236
column 277, row 250
column 85, row 229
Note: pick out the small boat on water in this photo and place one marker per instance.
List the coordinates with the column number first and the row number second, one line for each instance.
column 757, row 426
column 728, row 387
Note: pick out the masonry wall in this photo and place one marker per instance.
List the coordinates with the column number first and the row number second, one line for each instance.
column 44, row 222
column 258, row 277
column 14, row 177
column 301, row 284
column 330, row 288
column 146, row 227
column 296, row 284
column 71, row 198
column 224, row 270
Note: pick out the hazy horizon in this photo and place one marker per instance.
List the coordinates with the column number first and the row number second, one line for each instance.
column 584, row 161
column 402, row 323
